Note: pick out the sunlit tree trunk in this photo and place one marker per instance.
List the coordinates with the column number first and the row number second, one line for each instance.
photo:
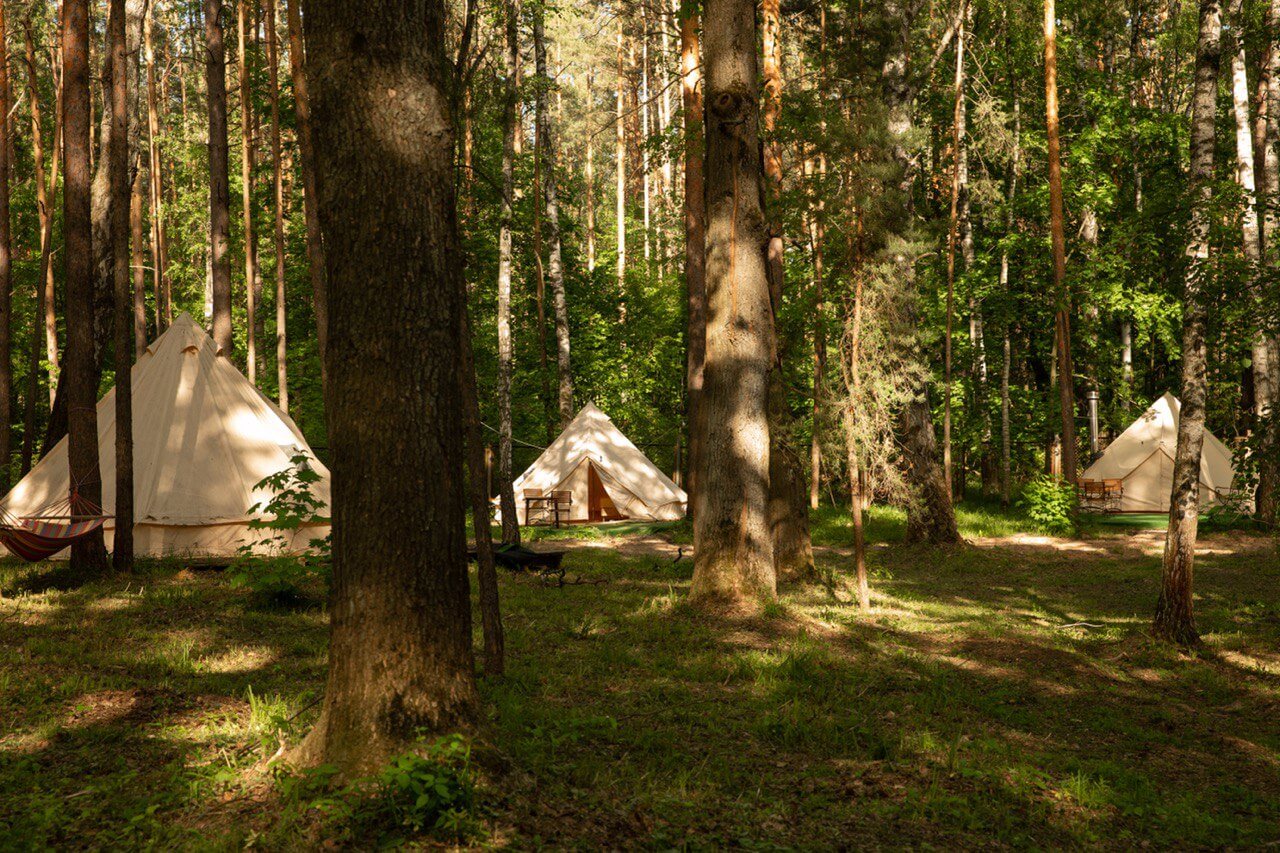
column 219, row 185
column 695, row 245
column 590, row 188
column 400, row 658
column 159, row 239
column 246, row 194
column 733, row 545
column 137, row 259
column 1174, row 619
column 117, row 153
column 1268, row 494
column 621, row 214
column 817, row 236
column 853, row 379
column 277, row 180
column 1011, row 194
column 959, row 186
column 315, row 243
column 511, row 119
column 1066, row 392
column 88, row 555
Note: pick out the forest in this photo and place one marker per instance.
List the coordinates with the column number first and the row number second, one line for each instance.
column 639, row 424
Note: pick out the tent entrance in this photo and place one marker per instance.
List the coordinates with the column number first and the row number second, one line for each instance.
column 600, row 507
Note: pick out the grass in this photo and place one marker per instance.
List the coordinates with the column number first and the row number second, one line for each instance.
column 134, row 712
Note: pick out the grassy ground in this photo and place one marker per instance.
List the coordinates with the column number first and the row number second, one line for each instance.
column 961, row 712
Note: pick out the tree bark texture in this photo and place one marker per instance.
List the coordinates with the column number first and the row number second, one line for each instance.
column 733, row 544
column 88, row 555
column 247, row 168
column 6, row 269
column 400, row 658
column 306, row 150
column 694, row 244
column 277, row 184
column 1175, row 619
column 219, row 184
column 1268, row 495
column 117, row 154
column 510, row 119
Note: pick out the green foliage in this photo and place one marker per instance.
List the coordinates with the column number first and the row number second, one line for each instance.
column 1052, row 505
column 272, row 568
column 431, row 789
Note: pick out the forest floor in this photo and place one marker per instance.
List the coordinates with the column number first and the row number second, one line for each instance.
column 1003, row 693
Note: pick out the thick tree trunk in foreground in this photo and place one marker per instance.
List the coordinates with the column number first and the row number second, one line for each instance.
column 306, row 150
column 733, row 563
column 555, row 266
column 695, row 247
column 788, row 499
column 88, row 556
column 400, row 658
column 118, row 154
column 930, row 515
column 277, row 183
column 510, row 120
column 1174, row 619
column 1066, row 391
column 219, row 184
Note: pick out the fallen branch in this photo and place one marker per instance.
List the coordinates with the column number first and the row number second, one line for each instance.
column 1080, row 625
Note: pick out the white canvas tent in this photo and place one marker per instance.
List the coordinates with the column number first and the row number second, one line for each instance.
column 1142, row 459
column 203, row 437
column 607, row 474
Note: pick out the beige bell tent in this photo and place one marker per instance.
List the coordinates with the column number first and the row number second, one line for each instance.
column 608, row 476
column 1142, row 459
column 203, row 437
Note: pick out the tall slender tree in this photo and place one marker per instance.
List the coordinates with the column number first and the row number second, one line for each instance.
column 247, row 168
column 277, row 185
column 511, row 120
column 1057, row 228
column 695, row 244
column 1175, row 619
column 88, row 555
column 118, row 154
column 733, row 544
column 400, row 658
column 6, row 269
column 306, row 151
column 219, row 184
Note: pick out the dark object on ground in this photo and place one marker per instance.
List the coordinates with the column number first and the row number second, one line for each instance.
column 520, row 559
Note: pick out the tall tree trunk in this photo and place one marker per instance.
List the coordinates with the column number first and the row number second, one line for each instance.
column 646, row 170
column 817, row 236
column 511, row 120
column 44, row 282
column 88, row 555
column 46, row 231
column 959, row 185
column 6, row 277
column 621, row 213
column 137, row 261
column 117, row 152
column 277, row 181
column 1066, row 391
column 733, row 563
column 1174, row 619
column 1267, row 498
column 930, row 515
column 400, row 657
column 159, row 239
column 247, row 166
column 694, row 245
column 788, row 508
column 219, row 184
column 852, row 368
column 1011, row 194
column 315, row 243
column 590, row 187
column 486, row 573
column 555, row 266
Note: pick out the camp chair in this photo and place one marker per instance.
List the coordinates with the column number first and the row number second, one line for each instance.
column 58, row 525
column 1093, row 494
column 1112, row 495
column 561, row 505
column 536, row 502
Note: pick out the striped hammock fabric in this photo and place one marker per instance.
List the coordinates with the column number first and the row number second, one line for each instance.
column 35, row 539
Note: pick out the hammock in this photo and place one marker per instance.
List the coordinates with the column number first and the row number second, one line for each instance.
column 39, row 537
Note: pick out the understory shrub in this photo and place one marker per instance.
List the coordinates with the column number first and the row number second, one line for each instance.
column 1051, row 503
column 271, row 568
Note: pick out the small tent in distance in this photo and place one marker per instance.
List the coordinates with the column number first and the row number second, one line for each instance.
column 1142, row 459
column 203, row 438
column 608, row 477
